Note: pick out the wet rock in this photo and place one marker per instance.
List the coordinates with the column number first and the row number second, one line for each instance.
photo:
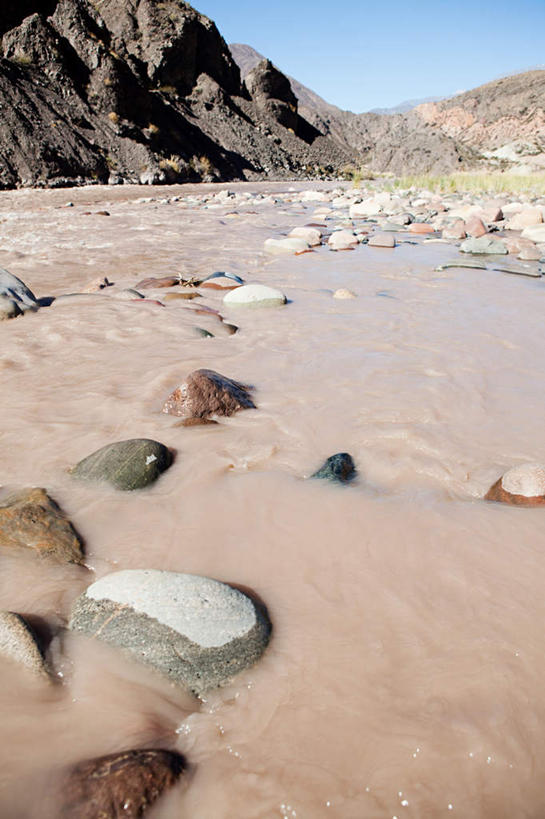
column 222, row 281
column 18, row 644
column 17, row 291
column 119, row 786
column 342, row 239
column 9, row 308
column 164, row 281
column 483, row 245
column 127, row 465
column 311, row 235
column 279, row 247
column 30, row 519
column 520, row 486
column 475, row 226
column 338, row 468
column 96, row 285
column 128, row 294
column 254, row 295
column 382, row 240
column 205, row 393
column 196, row 631
column 203, row 333
column 344, row 293
column 186, row 295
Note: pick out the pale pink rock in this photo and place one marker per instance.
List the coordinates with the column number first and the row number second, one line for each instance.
column 455, row 231
column 475, row 227
column 492, row 213
column 526, row 218
column 530, row 253
column 382, row 240
column 96, row 285
column 421, row 227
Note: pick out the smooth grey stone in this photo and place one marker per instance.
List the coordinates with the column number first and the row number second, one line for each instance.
column 518, row 270
column 196, row 631
column 18, row 643
column 339, row 468
column 483, row 245
column 127, row 465
column 15, row 289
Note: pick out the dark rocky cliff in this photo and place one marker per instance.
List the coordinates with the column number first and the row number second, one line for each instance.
column 137, row 90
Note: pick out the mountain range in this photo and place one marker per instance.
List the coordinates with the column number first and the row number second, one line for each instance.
column 148, row 91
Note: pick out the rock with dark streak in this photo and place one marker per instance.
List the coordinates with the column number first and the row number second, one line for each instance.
column 30, row 519
column 119, row 786
column 205, row 393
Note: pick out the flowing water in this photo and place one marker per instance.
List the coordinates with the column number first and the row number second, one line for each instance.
column 405, row 673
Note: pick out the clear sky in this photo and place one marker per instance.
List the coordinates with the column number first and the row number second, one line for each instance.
column 362, row 55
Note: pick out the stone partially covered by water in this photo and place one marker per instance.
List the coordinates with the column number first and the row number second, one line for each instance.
column 30, row 519
column 254, row 295
column 17, row 291
column 483, row 245
column 205, row 393
column 9, row 308
column 126, row 465
column 196, row 631
column 520, row 486
column 339, row 468
column 18, row 644
column 279, row 247
column 119, row 786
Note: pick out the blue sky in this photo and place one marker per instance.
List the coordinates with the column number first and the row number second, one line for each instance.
column 362, row 55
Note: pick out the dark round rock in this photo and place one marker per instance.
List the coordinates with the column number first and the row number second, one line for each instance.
column 339, row 468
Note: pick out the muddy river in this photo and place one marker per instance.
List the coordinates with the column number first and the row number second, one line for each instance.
column 405, row 674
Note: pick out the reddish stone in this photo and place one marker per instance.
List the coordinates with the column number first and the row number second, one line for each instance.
column 119, row 786
column 475, row 227
column 421, row 227
column 206, row 393
column 455, row 231
column 498, row 493
column 166, row 281
column 300, row 252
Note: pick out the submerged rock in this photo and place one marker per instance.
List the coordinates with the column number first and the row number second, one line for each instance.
column 254, row 295
column 293, row 244
column 520, row 486
column 196, row 631
column 205, row 393
column 17, row 291
column 339, row 468
column 344, row 293
column 18, row 644
column 127, row 465
column 30, row 519
column 165, row 281
column 382, row 240
column 119, row 786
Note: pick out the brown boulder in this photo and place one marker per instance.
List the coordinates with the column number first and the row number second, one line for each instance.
column 30, row 519
column 205, row 393
column 475, row 227
column 119, row 785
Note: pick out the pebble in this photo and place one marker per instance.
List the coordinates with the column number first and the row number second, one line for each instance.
column 278, row 247
column 520, row 486
column 122, row 784
column 382, row 240
column 342, row 239
column 311, row 235
column 30, row 519
column 19, row 644
column 343, row 293
column 483, row 245
column 126, row 465
column 254, row 295
column 196, row 631
column 339, row 468
column 205, row 393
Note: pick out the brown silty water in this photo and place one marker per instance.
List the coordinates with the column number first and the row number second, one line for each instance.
column 405, row 673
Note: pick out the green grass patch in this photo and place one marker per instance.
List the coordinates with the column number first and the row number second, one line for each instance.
column 489, row 183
